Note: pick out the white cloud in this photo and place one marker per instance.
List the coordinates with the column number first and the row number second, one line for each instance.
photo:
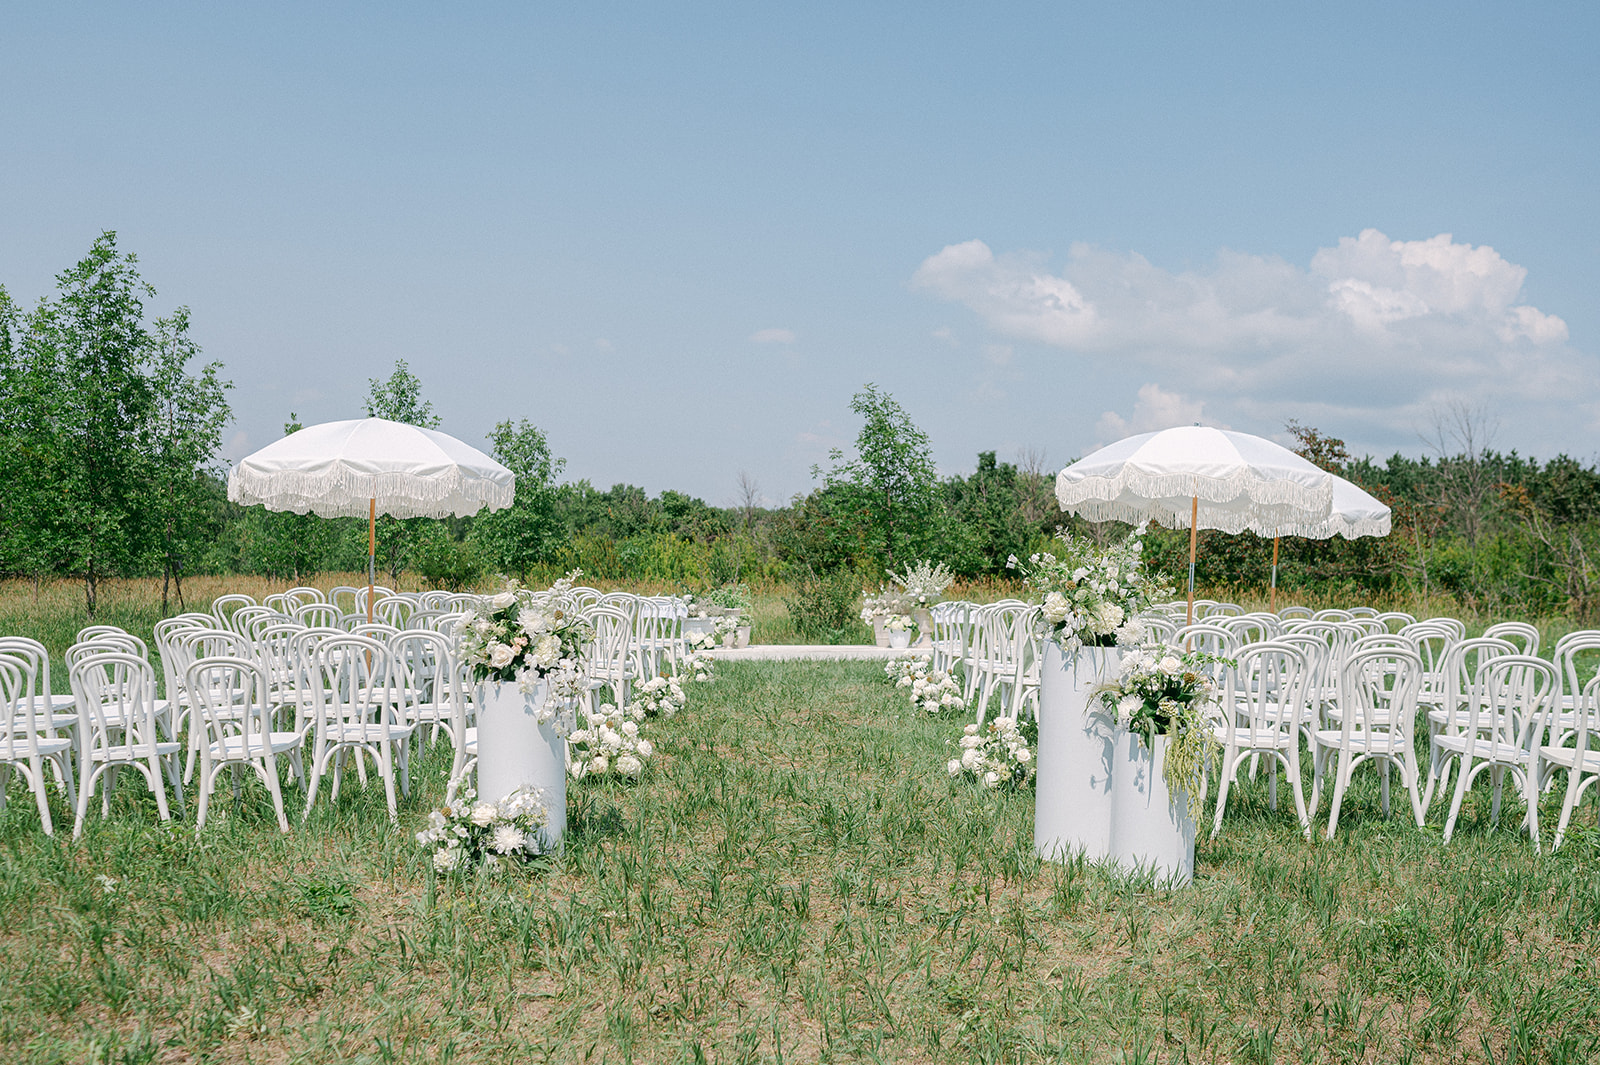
column 946, row 334
column 773, row 336
column 1154, row 409
column 1372, row 327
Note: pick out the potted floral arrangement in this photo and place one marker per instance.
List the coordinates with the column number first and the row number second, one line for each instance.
column 732, row 607
column 1089, row 598
column 1160, row 703
column 898, row 626
column 524, row 649
column 923, row 585
column 876, row 610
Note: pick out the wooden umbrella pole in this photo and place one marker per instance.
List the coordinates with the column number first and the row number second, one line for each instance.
column 1274, row 606
column 1194, row 524
column 372, row 552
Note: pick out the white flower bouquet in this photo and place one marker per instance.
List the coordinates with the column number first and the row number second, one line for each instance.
column 1165, row 691
column 699, row 667
column 1089, row 594
column 999, row 756
column 609, row 743
column 898, row 622
column 525, row 636
column 700, row 641
column 465, row 833
column 923, row 583
column 931, row 690
column 658, row 697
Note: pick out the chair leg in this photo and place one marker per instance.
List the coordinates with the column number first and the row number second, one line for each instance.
column 269, row 768
column 1463, row 779
column 1229, row 768
column 1497, row 777
column 1340, row 782
column 40, row 794
column 1298, row 788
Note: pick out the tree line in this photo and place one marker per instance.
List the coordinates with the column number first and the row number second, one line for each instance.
column 110, row 432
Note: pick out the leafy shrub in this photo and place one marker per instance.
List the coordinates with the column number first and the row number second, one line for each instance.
column 824, row 607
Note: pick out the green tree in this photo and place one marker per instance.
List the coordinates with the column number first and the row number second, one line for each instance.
column 893, row 470
column 93, row 344
column 522, row 536
column 184, row 435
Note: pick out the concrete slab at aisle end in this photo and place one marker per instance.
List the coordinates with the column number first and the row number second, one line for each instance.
column 797, row 652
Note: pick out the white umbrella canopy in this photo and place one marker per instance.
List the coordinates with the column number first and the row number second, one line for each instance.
column 1209, row 478
column 370, row 466
column 1355, row 513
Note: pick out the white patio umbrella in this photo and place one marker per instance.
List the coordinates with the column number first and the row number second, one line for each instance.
column 1355, row 513
column 367, row 466
column 1232, row 482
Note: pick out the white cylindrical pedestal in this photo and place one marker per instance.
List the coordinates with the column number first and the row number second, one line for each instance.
column 515, row 751
column 924, row 620
column 1149, row 830
column 1072, row 805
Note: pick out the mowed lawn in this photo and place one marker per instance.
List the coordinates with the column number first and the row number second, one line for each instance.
column 795, row 879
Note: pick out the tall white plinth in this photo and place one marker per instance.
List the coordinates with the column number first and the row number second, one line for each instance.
column 515, row 751
column 1072, row 805
column 1151, row 831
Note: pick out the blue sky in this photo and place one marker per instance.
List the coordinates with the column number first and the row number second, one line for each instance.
column 678, row 238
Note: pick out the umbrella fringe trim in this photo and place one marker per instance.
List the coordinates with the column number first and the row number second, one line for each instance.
column 1260, row 490
column 343, row 493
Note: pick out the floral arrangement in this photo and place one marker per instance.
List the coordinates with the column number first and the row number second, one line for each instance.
column 994, row 756
column 876, row 608
column 698, row 642
column 526, row 636
column 898, row 622
column 931, row 690
column 1164, row 691
column 608, row 743
column 734, row 597
column 658, row 697
column 699, row 667
column 924, row 583
column 467, row 833
column 1089, row 594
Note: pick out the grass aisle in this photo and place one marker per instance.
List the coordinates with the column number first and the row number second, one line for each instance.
column 795, row 879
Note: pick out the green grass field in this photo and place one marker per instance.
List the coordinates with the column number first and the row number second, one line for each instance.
column 795, row 879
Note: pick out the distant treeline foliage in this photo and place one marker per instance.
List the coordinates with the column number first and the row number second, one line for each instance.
column 110, row 431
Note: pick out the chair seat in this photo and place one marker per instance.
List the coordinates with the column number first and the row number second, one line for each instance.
column 365, row 732
column 1266, row 739
column 139, row 751
column 1584, row 761
column 429, row 713
column 1363, row 742
column 1488, row 750
column 47, row 746
column 234, row 748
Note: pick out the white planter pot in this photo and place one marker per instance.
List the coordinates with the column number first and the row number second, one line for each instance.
column 899, row 640
column 1151, row 830
column 698, row 626
column 743, row 636
column 880, row 635
column 1072, row 798
column 515, row 751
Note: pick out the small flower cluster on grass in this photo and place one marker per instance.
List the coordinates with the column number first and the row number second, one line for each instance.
column 999, row 755
column 464, row 834
column 698, row 642
column 1089, row 594
column 699, row 667
column 931, row 690
column 658, row 697
column 1163, row 690
column 609, row 743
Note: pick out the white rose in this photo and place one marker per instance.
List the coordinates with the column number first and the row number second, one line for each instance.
column 1056, row 608
column 969, row 758
column 500, row 655
column 630, row 728
column 1170, row 665
column 991, row 779
column 600, row 764
column 629, row 766
column 1024, row 755
column 953, row 767
column 483, row 814
column 503, row 600
column 646, row 749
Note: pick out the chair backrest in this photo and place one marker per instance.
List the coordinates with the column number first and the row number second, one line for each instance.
column 1369, row 625
column 35, row 659
column 611, row 647
column 1159, row 626
column 223, row 606
column 1462, row 664
column 116, row 698
column 247, row 619
column 1395, row 620
column 1265, row 691
column 1378, row 692
column 378, row 630
column 230, row 698
column 1455, row 625
column 319, row 615
column 1524, row 635
column 434, row 599
column 378, row 592
column 1363, row 612
column 351, row 683
column 462, row 602
column 109, row 636
column 1332, row 614
column 1252, row 628
column 394, row 610
column 1207, row 638
column 1289, row 613
column 1585, row 644
column 303, row 594
column 1218, row 610
column 1315, row 680
column 1511, row 700
column 1385, row 639
column 25, row 706
column 346, row 598
column 426, row 671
